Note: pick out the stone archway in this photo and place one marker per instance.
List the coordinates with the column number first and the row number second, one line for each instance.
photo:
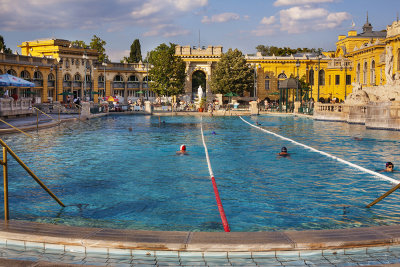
column 199, row 78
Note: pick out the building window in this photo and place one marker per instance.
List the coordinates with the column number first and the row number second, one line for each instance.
column 267, row 82
column 373, row 77
column 25, row 75
column 348, row 79
column 358, row 73
column 365, row 71
column 77, row 77
column 281, row 77
column 311, row 77
column 322, row 77
column 337, row 79
column 67, row 77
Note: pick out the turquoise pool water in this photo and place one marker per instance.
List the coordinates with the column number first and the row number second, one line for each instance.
column 109, row 176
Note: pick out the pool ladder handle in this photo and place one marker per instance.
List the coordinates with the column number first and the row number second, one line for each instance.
column 384, row 195
column 4, row 162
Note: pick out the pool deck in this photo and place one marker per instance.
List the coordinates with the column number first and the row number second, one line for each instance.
column 102, row 245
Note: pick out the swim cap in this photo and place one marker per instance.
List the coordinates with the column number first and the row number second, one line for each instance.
column 183, row 147
column 284, row 149
column 389, row 163
column 214, row 132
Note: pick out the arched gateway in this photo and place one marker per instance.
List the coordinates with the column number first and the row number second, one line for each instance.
column 199, row 66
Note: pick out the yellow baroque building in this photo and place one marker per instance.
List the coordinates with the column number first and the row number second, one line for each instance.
column 61, row 71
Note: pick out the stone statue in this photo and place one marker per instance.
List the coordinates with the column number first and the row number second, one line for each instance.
column 200, row 92
column 389, row 64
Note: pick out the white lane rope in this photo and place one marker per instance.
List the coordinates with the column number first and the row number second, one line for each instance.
column 205, row 149
column 394, row 181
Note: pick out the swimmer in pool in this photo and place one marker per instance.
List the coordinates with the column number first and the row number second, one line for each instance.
column 283, row 152
column 389, row 167
column 182, row 150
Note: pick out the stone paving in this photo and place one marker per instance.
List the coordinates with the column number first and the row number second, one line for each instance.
column 371, row 256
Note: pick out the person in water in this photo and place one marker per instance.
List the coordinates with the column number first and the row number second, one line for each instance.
column 182, row 150
column 389, row 167
column 283, row 152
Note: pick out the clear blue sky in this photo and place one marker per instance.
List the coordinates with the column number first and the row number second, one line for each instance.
column 241, row 24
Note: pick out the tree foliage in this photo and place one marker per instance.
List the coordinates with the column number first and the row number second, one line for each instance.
column 79, row 43
column 284, row 51
column 98, row 44
column 168, row 72
column 136, row 52
column 3, row 46
column 232, row 74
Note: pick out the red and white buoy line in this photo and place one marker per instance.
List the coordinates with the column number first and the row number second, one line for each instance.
column 376, row 174
column 219, row 203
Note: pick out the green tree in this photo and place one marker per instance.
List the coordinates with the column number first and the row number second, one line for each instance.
column 3, row 46
column 168, row 71
column 99, row 44
column 136, row 54
column 232, row 74
column 79, row 43
column 283, row 51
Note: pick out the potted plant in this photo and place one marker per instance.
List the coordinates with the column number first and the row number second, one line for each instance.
column 202, row 104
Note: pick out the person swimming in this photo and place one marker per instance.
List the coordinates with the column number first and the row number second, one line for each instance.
column 283, row 152
column 389, row 167
column 213, row 132
column 182, row 150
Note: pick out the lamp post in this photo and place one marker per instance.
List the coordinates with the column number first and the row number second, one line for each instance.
column 147, row 72
column 297, row 89
column 319, row 66
column 104, row 78
column 84, row 57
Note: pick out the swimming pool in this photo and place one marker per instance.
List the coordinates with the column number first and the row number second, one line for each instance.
column 109, row 176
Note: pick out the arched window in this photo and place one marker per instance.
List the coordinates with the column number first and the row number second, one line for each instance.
column 373, row 76
column 365, row 71
column 267, row 80
column 281, row 77
column 101, row 78
column 25, row 74
column 77, row 77
column 77, row 62
column 311, row 76
column 118, row 78
column 37, row 75
column 321, row 77
column 72, row 61
column 51, row 77
column 133, row 78
column 398, row 59
column 146, row 82
column 358, row 72
column 67, row 77
column 12, row 72
column 67, row 63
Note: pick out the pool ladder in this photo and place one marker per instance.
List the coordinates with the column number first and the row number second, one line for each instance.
column 4, row 162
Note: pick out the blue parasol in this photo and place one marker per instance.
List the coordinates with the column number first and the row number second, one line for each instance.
column 12, row 81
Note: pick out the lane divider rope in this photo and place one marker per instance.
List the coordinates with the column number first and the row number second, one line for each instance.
column 218, row 199
column 376, row 174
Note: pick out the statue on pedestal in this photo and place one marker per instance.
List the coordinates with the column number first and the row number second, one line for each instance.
column 389, row 64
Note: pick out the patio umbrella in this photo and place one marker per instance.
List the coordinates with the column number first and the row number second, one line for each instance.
column 230, row 94
column 66, row 93
column 12, row 81
column 140, row 92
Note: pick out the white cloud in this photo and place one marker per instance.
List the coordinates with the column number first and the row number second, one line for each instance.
column 110, row 16
column 166, row 30
column 301, row 19
column 268, row 21
column 223, row 17
column 299, row 2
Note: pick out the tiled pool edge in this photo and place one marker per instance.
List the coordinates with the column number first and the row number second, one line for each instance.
column 99, row 240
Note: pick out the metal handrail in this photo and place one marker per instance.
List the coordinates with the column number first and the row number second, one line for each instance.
column 16, row 128
column 4, row 162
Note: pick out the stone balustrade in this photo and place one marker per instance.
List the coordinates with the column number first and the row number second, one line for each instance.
column 10, row 107
column 378, row 115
